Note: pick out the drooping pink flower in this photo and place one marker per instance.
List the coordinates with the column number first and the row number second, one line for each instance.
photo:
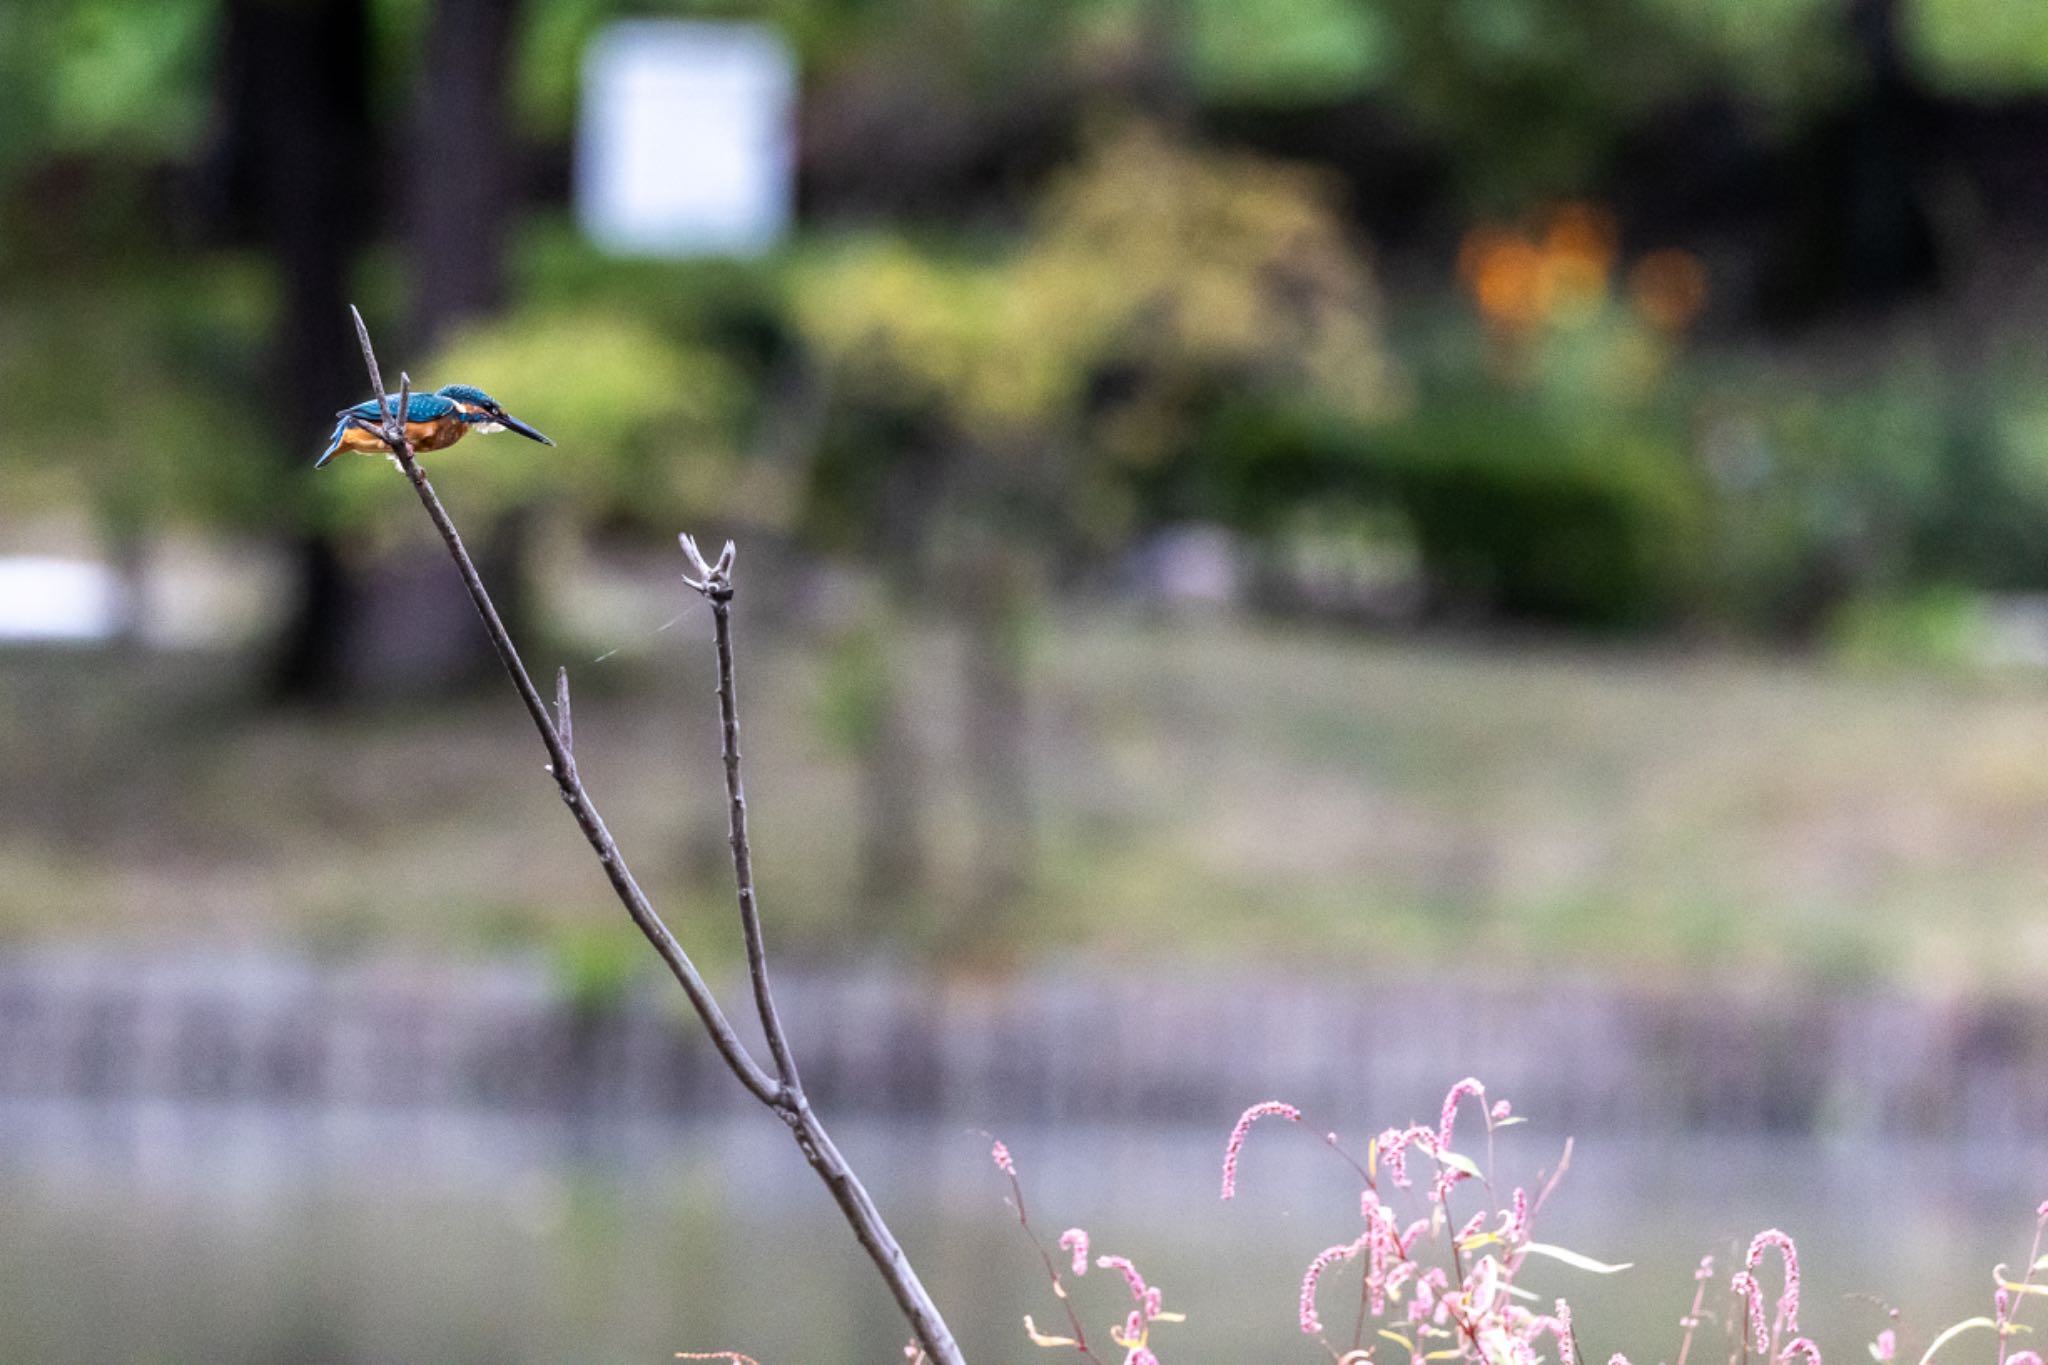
column 1265, row 1109
column 1076, row 1241
column 1155, row 1302
column 1744, row 1284
column 1122, row 1265
column 1470, row 1086
column 1001, row 1155
column 1310, row 1323
column 1134, row 1326
column 1801, row 1346
column 1788, row 1302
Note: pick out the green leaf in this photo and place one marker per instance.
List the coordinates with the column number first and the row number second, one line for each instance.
column 1574, row 1259
column 1967, row 1324
column 1459, row 1163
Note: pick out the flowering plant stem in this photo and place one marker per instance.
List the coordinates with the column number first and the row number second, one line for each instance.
column 782, row 1092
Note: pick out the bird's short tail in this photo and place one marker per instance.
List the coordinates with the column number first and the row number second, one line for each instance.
column 333, row 443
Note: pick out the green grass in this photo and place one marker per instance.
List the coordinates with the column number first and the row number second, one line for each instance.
column 1213, row 791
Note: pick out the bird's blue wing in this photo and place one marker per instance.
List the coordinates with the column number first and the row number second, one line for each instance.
column 422, row 407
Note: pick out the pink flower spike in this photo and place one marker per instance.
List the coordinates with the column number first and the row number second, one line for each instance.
column 1001, row 1155
column 1140, row 1356
column 1469, row 1086
column 1886, row 1347
column 1567, row 1353
column 1076, row 1241
column 1155, row 1302
column 1744, row 1283
column 1122, row 1265
column 1801, row 1346
column 1501, row 1109
column 1134, row 1326
column 1265, row 1109
column 1788, row 1302
column 2024, row 1358
column 1310, row 1323
column 1706, row 1270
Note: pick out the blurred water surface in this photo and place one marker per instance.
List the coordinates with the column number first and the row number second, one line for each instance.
column 187, row 1233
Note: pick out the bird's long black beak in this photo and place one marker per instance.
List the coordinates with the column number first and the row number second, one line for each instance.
column 514, row 424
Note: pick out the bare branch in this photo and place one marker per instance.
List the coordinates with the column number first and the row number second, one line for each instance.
column 370, row 362
column 714, row 581
column 563, row 765
column 781, row 1093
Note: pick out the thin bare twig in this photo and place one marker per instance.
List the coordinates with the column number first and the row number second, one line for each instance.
column 714, row 581
column 782, row 1093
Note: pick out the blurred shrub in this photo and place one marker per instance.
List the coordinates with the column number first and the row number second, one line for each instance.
column 131, row 395
column 1508, row 509
column 1829, row 490
column 1940, row 627
column 1155, row 279
column 1979, row 47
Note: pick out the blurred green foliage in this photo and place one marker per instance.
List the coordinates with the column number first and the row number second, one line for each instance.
column 1162, row 331
column 1978, row 46
column 1942, row 628
column 126, row 393
column 1508, row 508
column 1155, row 279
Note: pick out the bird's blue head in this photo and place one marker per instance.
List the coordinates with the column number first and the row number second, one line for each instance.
column 484, row 412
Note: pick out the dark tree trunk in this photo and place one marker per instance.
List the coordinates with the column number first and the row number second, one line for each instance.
column 458, row 218
column 1862, row 236
column 460, row 212
column 296, row 148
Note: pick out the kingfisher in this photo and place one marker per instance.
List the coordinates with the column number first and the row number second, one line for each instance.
column 433, row 421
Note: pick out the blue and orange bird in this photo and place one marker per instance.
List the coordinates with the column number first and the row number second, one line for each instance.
column 433, row 421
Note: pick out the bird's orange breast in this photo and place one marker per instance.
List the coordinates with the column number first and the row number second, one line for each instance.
column 435, row 435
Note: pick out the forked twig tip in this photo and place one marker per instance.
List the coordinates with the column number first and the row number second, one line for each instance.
column 711, row 579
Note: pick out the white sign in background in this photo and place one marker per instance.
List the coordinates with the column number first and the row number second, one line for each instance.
column 686, row 144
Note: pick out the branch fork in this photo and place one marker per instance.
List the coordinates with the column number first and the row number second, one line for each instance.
column 713, row 580
column 782, row 1092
